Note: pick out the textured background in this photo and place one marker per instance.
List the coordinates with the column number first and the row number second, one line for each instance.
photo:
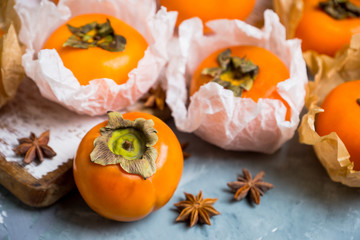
column 304, row 204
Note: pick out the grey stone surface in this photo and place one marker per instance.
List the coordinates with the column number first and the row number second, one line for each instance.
column 304, row 204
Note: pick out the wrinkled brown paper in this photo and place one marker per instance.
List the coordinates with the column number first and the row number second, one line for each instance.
column 12, row 72
column 330, row 72
column 289, row 12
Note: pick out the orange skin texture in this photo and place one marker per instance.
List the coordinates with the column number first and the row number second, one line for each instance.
column 322, row 33
column 1, row 33
column 341, row 115
column 271, row 71
column 208, row 10
column 94, row 62
column 118, row 195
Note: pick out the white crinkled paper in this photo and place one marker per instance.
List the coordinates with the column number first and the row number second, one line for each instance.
column 214, row 113
column 58, row 83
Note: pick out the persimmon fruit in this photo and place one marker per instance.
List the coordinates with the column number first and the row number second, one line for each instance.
column 271, row 71
column 208, row 10
column 119, row 195
column 322, row 33
column 94, row 62
column 341, row 115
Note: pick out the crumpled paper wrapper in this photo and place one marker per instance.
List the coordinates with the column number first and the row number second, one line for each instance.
column 12, row 72
column 214, row 113
column 329, row 73
column 58, row 84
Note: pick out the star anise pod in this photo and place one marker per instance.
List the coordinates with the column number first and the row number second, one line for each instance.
column 156, row 98
column 196, row 209
column 248, row 186
column 34, row 147
column 184, row 145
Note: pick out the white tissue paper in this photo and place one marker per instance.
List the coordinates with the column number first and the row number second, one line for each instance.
column 58, row 83
column 214, row 113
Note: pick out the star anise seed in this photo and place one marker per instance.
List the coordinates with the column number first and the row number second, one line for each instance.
column 196, row 209
column 248, row 186
column 34, row 147
column 156, row 98
column 184, row 145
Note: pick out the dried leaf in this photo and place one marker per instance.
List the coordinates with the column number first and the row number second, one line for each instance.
column 330, row 72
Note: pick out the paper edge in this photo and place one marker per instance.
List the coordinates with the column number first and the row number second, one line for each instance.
column 269, row 21
column 152, row 54
column 338, row 164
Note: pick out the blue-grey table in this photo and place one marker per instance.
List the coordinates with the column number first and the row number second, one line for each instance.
column 304, row 204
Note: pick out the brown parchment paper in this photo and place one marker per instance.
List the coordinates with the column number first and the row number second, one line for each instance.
column 289, row 12
column 12, row 71
column 330, row 72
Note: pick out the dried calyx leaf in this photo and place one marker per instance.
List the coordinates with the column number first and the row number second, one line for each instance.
column 95, row 35
column 235, row 73
column 340, row 9
column 128, row 143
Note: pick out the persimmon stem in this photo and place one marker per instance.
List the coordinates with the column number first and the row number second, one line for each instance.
column 127, row 142
column 127, row 145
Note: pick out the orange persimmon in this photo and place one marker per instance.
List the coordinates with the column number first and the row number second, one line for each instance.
column 322, row 33
column 271, row 71
column 341, row 115
column 113, row 192
column 94, row 62
column 208, row 10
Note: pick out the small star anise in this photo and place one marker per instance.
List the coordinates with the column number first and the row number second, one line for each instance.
column 34, row 147
column 184, row 145
column 246, row 185
column 156, row 98
column 196, row 209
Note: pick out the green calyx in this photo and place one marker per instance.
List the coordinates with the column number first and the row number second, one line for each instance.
column 234, row 73
column 95, row 35
column 340, row 9
column 128, row 143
